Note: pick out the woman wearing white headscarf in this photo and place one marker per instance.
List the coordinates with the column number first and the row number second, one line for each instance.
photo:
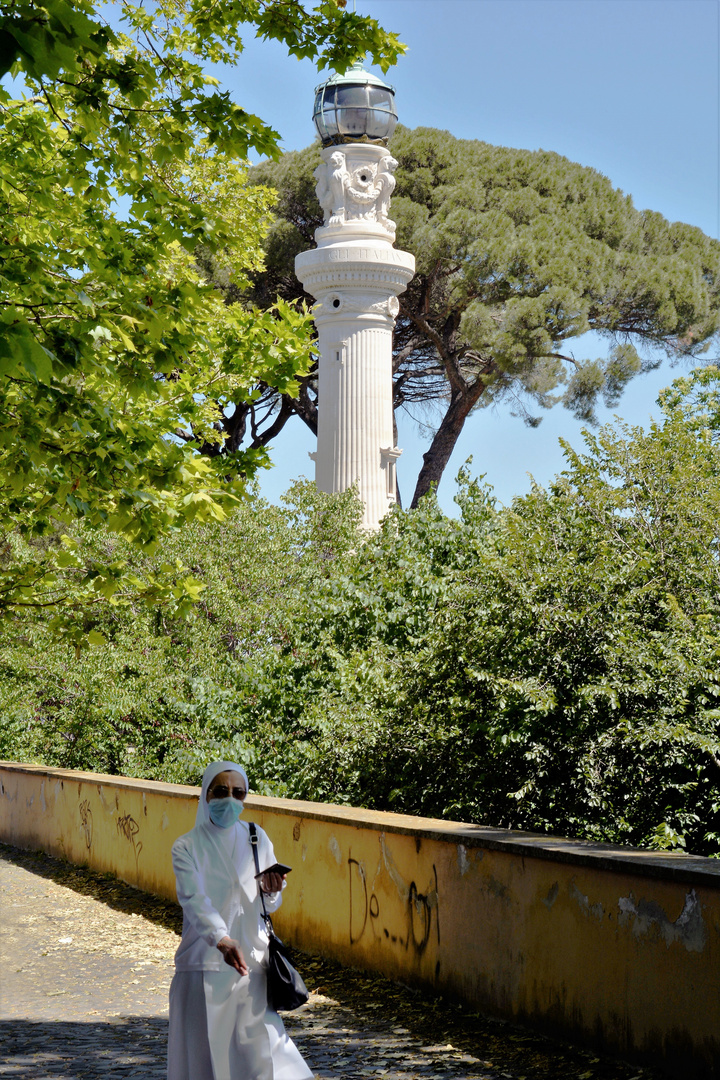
column 220, row 1025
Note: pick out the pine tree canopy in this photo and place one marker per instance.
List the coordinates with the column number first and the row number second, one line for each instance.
column 518, row 253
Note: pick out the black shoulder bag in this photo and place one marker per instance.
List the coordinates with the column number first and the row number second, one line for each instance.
column 285, row 989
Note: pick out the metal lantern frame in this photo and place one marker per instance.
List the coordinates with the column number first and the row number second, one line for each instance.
column 354, row 107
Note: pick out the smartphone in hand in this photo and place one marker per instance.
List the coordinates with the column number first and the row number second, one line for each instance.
column 276, row 868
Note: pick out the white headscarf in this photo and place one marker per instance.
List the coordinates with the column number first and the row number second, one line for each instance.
column 215, row 767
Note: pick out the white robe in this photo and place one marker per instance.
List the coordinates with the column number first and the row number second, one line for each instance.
column 220, row 1025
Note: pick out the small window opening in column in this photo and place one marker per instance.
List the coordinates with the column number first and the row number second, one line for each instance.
column 338, row 351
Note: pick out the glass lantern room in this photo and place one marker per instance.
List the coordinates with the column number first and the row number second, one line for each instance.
column 354, row 107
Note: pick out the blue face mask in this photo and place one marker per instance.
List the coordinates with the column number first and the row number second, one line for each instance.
column 225, row 812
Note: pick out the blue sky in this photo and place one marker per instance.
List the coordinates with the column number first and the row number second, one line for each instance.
column 629, row 87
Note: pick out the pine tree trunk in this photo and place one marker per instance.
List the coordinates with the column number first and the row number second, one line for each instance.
column 436, row 458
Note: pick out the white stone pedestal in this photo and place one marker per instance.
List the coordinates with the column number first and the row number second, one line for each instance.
column 356, row 274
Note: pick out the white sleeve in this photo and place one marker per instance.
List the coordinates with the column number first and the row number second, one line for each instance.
column 266, row 857
column 197, row 907
column 273, row 900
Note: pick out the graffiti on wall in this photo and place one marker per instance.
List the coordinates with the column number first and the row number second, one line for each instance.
column 374, row 912
column 86, row 822
column 128, row 827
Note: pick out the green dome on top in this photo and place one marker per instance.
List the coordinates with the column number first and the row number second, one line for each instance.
column 355, row 74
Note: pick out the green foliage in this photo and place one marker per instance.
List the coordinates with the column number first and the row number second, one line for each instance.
column 151, row 691
column 551, row 666
column 122, row 158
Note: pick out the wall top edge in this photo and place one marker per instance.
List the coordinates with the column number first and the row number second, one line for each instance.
column 173, row 791
column 693, row 869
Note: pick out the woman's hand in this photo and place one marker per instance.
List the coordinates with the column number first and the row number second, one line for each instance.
column 232, row 955
column 271, row 882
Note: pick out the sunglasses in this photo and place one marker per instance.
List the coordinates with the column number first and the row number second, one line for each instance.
column 222, row 792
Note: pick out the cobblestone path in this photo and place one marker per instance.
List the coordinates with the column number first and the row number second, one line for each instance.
column 86, row 962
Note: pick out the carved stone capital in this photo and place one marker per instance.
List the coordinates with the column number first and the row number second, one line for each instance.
column 354, row 185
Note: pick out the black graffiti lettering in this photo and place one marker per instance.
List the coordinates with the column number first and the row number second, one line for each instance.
column 437, row 906
column 128, row 827
column 419, row 918
column 419, row 912
column 86, row 820
column 358, row 902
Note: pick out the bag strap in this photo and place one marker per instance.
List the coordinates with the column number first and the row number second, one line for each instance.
column 254, row 843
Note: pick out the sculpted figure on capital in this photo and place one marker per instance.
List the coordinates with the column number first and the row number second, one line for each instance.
column 385, row 183
column 359, row 194
column 332, row 180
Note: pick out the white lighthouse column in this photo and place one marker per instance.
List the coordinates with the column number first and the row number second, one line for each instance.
column 356, row 274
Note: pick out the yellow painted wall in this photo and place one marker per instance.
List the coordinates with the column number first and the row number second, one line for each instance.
column 614, row 947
